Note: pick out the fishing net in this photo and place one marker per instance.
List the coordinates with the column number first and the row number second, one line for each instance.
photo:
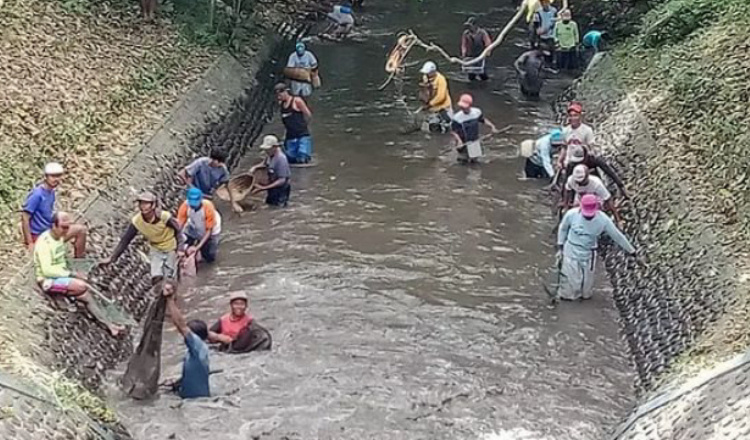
column 252, row 338
column 141, row 379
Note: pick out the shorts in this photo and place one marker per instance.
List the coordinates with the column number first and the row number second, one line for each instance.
column 298, row 150
column 163, row 264
column 56, row 285
column 534, row 171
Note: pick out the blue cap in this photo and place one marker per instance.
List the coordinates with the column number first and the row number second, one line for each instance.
column 556, row 135
column 346, row 10
column 194, row 197
column 300, row 47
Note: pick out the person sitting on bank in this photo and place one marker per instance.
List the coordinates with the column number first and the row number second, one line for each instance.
column 578, row 242
column 295, row 114
column 39, row 208
column 465, row 127
column 529, row 69
column 279, row 187
column 435, row 96
column 580, row 183
column 161, row 231
column 236, row 331
column 473, row 42
column 194, row 382
column 305, row 60
column 53, row 274
column 209, row 174
column 342, row 17
column 567, row 39
column 594, row 164
column 199, row 221
column 539, row 164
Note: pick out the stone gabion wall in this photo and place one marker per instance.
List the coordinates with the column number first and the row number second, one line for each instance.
column 82, row 348
column 685, row 285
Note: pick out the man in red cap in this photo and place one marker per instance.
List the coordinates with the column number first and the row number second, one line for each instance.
column 465, row 129
column 577, row 134
column 577, row 241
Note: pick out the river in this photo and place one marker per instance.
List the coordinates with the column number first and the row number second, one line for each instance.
column 403, row 290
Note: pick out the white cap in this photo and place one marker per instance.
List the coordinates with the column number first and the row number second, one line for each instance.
column 269, row 142
column 428, row 68
column 580, row 172
column 53, row 168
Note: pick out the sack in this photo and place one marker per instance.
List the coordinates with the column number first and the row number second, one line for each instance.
column 298, row 74
column 141, row 379
column 474, row 149
column 527, row 148
column 254, row 337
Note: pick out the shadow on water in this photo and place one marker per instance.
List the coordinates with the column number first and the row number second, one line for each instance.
column 403, row 290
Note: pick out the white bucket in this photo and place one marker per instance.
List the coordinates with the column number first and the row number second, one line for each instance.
column 474, row 149
column 527, row 148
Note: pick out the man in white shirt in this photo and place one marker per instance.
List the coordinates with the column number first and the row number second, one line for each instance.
column 581, row 183
column 577, row 134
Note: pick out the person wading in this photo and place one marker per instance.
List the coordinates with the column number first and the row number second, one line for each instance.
column 295, row 115
column 473, row 42
column 580, row 183
column 39, row 208
column 465, row 128
column 543, row 29
column 529, row 69
column 577, row 134
column 194, row 382
column 435, row 97
column 199, row 221
column 577, row 241
column 306, row 61
column 567, row 39
column 539, row 164
column 279, row 173
column 594, row 164
column 209, row 174
column 53, row 274
column 342, row 17
column 161, row 231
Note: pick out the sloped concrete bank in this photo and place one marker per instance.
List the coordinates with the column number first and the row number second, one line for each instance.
column 52, row 362
column 687, row 287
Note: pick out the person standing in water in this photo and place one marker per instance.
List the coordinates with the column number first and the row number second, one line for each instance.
column 577, row 135
column 435, row 97
column 465, row 128
column 473, row 42
column 295, row 114
column 539, row 164
column 543, row 29
column 279, row 187
column 194, row 382
column 567, row 39
column 577, row 242
column 529, row 69
column 302, row 59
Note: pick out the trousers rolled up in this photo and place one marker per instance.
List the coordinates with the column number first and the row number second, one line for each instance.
column 577, row 277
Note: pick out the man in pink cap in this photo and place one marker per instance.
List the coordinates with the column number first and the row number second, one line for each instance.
column 577, row 135
column 465, row 129
column 577, row 241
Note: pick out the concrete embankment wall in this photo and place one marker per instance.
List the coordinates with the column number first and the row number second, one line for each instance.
column 687, row 287
column 51, row 358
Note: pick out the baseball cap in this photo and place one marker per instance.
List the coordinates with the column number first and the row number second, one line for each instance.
column 194, row 197
column 575, row 107
column 280, row 87
column 589, row 205
column 53, row 168
column 146, row 196
column 577, row 154
column 269, row 142
column 237, row 294
column 556, row 136
column 580, row 172
column 465, row 101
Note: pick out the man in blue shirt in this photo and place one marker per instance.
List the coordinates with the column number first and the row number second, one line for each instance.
column 195, row 367
column 279, row 173
column 209, row 174
column 39, row 208
column 539, row 164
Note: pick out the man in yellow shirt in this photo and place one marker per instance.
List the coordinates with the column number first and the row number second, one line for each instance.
column 54, row 276
column 436, row 98
column 161, row 231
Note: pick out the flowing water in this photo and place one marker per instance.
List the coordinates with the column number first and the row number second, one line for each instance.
column 403, row 291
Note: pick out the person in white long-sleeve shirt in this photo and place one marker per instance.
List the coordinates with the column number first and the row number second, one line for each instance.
column 577, row 241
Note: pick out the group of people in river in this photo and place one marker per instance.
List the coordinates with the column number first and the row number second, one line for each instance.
column 177, row 244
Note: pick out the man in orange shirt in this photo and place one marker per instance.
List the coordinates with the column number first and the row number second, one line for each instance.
column 201, row 225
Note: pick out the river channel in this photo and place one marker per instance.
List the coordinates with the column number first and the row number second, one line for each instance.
column 403, row 290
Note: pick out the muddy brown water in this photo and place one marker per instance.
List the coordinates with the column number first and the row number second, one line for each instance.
column 403, row 290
